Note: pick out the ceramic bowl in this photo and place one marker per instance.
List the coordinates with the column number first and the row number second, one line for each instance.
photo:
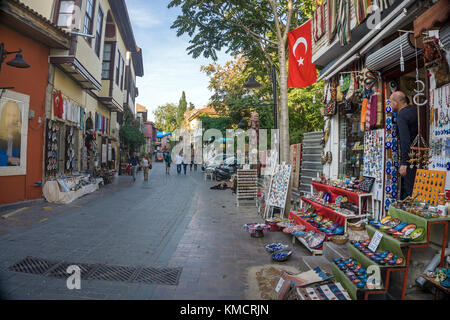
column 399, row 261
column 391, row 262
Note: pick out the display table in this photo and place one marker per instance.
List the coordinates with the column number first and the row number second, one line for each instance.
column 53, row 192
column 332, row 214
column 355, row 197
column 308, row 227
column 396, row 246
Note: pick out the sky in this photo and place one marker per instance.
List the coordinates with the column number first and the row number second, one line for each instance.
column 168, row 69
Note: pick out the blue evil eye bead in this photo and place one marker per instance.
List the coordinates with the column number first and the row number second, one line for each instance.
column 388, row 145
column 394, row 148
column 394, row 179
column 388, row 171
column 448, row 166
column 394, row 193
column 396, row 164
column 388, row 164
column 394, row 142
column 388, row 109
column 388, row 189
column 394, row 134
column 394, row 187
column 388, row 127
column 388, row 202
column 388, row 120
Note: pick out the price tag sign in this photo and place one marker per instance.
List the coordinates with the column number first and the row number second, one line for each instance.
column 375, row 242
column 279, row 285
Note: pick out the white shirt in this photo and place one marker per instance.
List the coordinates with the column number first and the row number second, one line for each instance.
column 145, row 163
column 179, row 159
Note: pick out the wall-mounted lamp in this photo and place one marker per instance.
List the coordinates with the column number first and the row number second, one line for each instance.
column 17, row 62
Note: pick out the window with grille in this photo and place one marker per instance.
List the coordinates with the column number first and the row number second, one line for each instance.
column 118, row 59
column 98, row 34
column 88, row 19
column 66, row 14
column 107, row 60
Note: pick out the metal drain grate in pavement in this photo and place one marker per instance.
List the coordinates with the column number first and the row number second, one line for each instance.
column 60, row 271
column 33, row 265
column 114, row 273
column 169, row 276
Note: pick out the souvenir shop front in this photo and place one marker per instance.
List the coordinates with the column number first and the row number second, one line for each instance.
column 67, row 173
column 364, row 150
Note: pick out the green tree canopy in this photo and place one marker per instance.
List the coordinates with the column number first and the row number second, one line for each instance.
column 130, row 132
column 166, row 117
column 182, row 107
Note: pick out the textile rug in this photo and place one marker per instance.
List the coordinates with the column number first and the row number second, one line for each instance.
column 261, row 281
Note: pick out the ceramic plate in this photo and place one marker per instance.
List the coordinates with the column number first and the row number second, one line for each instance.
column 409, row 228
column 416, row 234
column 316, row 240
column 385, row 219
column 394, row 223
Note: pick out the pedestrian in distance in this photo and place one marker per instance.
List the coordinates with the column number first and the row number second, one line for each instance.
column 168, row 160
column 134, row 162
column 179, row 162
column 146, row 163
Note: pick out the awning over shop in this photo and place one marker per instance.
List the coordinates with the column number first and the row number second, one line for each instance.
column 389, row 56
column 163, row 134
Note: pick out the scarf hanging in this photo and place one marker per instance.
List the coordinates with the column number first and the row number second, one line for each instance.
column 380, row 104
column 343, row 23
column 332, row 17
column 318, row 26
column 373, row 110
column 363, row 113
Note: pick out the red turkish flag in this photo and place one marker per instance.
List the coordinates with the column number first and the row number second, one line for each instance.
column 302, row 72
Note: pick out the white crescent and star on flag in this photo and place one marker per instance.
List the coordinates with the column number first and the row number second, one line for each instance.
column 297, row 42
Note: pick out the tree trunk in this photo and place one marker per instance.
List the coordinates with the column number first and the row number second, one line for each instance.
column 284, row 111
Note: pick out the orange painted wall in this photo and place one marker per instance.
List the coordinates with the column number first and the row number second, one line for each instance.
column 33, row 82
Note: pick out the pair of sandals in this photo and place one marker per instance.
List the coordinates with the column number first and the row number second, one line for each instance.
column 326, row 157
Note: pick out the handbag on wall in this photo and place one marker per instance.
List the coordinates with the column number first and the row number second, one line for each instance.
column 330, row 109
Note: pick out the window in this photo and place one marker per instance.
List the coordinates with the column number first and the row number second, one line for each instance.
column 88, row 19
column 107, row 59
column 98, row 35
column 123, row 73
column 118, row 59
column 65, row 14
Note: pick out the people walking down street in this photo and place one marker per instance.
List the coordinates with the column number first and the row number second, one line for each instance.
column 134, row 162
column 168, row 160
column 179, row 162
column 146, row 162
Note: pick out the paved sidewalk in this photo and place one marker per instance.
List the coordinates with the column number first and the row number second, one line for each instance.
column 170, row 221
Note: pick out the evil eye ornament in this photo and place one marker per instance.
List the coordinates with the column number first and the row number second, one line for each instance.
column 448, row 166
column 388, row 109
column 388, row 170
column 388, row 145
column 394, row 187
column 388, row 189
column 394, row 194
column 388, row 164
column 388, row 120
column 388, row 127
column 396, row 164
column 394, row 134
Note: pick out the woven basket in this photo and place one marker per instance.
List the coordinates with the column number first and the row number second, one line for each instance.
column 339, row 239
column 356, row 227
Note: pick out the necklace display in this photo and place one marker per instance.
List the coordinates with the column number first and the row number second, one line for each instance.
column 440, row 132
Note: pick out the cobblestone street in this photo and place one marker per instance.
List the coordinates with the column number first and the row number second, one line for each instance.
column 174, row 221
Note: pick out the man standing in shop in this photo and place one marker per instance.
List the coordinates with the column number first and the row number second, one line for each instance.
column 134, row 162
column 407, row 126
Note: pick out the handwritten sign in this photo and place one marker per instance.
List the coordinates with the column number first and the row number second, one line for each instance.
column 375, row 242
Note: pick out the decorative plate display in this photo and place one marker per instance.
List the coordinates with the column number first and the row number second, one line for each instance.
column 394, row 223
column 318, row 219
column 409, row 228
column 281, row 255
column 386, row 219
column 417, row 234
column 400, row 226
column 271, row 247
column 338, row 200
column 316, row 240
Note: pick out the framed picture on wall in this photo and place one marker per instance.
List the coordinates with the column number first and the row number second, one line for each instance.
column 13, row 133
